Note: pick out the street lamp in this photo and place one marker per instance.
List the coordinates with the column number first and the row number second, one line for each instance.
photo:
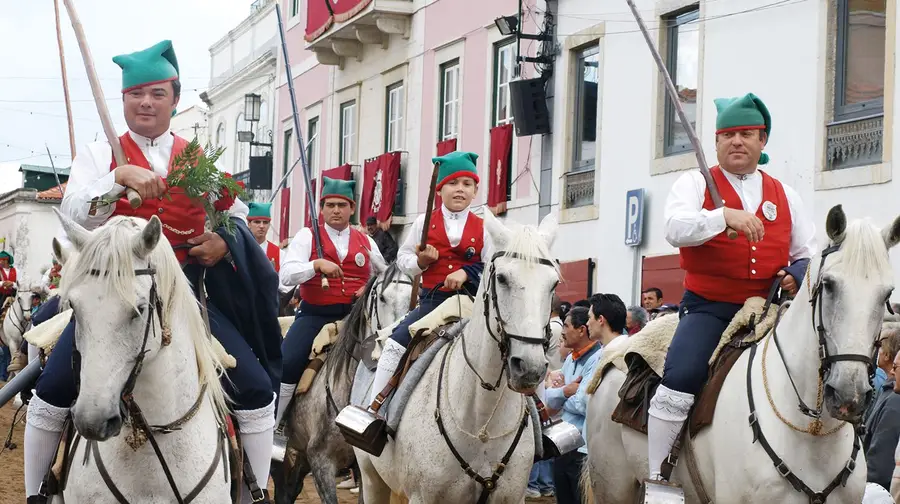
column 507, row 25
column 252, row 104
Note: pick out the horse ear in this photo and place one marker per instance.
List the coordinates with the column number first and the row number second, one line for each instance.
column 76, row 234
column 496, row 230
column 59, row 252
column 145, row 242
column 378, row 265
column 836, row 223
column 891, row 233
column 548, row 229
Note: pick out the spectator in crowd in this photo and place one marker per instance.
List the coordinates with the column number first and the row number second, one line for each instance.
column 884, row 361
column 663, row 309
column 651, row 298
column 584, row 303
column 383, row 239
column 883, row 428
column 635, row 319
column 564, row 308
column 556, row 329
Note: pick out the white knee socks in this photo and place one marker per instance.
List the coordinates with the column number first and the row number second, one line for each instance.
column 284, row 398
column 43, row 428
column 668, row 411
column 387, row 365
column 257, row 428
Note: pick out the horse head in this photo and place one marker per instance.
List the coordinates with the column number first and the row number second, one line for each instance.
column 518, row 284
column 391, row 291
column 114, row 283
column 852, row 281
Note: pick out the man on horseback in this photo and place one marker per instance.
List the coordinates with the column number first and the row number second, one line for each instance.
column 7, row 276
column 348, row 261
column 777, row 239
column 258, row 220
column 247, row 330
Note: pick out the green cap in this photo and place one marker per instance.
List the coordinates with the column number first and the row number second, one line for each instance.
column 741, row 113
column 336, row 188
column 259, row 211
column 150, row 66
column 7, row 255
column 454, row 165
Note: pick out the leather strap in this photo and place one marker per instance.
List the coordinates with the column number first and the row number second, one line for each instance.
column 395, row 378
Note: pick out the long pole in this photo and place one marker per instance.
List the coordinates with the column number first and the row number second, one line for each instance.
column 55, row 175
column 314, row 218
column 688, row 128
column 423, row 239
column 65, row 80
column 133, row 197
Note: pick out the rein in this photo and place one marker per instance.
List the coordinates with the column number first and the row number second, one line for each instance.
column 826, row 360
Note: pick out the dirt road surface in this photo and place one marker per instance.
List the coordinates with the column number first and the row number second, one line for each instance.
column 12, row 482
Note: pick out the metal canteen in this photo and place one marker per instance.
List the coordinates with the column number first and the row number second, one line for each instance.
column 660, row 492
column 363, row 429
column 560, row 438
column 279, row 447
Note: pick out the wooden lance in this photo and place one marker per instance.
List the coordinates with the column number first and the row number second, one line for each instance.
column 423, row 241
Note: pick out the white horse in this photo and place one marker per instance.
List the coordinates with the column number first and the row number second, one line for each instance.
column 315, row 444
column 504, row 349
column 137, row 321
column 15, row 323
column 844, row 292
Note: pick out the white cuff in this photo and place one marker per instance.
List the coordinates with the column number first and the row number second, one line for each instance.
column 45, row 416
column 671, row 405
column 258, row 420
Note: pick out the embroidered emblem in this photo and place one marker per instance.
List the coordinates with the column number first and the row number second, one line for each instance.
column 499, row 171
column 770, row 211
column 360, row 259
column 376, row 198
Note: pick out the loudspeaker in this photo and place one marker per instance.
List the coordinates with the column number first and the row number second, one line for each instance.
column 261, row 172
column 529, row 107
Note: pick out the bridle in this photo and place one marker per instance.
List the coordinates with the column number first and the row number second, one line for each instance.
column 826, row 361
column 372, row 312
column 131, row 412
column 503, row 338
column 19, row 321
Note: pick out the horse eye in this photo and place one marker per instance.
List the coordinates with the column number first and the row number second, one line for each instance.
column 382, row 299
column 501, row 278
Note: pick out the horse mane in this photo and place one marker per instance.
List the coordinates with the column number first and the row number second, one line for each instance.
column 528, row 243
column 109, row 251
column 349, row 337
column 863, row 252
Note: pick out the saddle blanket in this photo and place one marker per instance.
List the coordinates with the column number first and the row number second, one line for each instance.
column 46, row 335
column 327, row 337
column 652, row 342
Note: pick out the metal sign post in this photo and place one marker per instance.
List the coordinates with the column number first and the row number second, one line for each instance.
column 634, row 234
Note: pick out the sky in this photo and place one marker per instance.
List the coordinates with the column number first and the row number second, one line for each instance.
column 32, row 109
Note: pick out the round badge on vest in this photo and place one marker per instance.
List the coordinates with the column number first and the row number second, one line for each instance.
column 470, row 253
column 770, row 211
column 360, row 259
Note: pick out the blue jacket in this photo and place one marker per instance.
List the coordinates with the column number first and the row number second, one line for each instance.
column 573, row 408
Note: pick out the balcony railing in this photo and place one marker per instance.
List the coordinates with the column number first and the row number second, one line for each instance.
column 856, row 142
column 345, row 35
column 579, row 188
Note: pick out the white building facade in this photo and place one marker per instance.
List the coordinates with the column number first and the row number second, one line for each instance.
column 27, row 226
column 243, row 62
column 826, row 70
column 191, row 123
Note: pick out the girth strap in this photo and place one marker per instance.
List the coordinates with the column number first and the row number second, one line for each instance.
column 780, row 465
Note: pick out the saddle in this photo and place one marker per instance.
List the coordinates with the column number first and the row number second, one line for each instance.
column 326, row 338
column 644, row 359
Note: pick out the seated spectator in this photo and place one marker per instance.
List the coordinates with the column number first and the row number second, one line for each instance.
column 883, row 432
column 635, row 319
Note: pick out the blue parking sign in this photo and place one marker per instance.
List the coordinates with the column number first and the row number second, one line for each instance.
column 634, row 217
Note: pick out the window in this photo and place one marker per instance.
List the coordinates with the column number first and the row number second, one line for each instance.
column 288, row 146
column 220, row 135
column 683, row 62
column 587, row 73
column 347, row 151
column 859, row 72
column 449, row 121
column 295, row 7
column 504, row 62
column 312, row 150
column 393, row 140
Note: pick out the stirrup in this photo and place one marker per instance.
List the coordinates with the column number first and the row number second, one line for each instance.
column 363, row 428
column 279, row 446
column 660, row 491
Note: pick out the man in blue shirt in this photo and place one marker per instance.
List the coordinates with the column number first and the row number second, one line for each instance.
column 586, row 332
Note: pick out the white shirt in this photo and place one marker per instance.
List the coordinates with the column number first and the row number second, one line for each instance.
column 297, row 268
column 265, row 247
column 688, row 224
column 454, row 224
column 90, row 177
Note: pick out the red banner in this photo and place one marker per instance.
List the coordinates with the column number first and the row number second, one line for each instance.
column 344, row 172
column 380, row 179
column 284, row 231
column 321, row 14
column 501, row 146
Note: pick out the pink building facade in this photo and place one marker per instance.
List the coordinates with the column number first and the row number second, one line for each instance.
column 402, row 76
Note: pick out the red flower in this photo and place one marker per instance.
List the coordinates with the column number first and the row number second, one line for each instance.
column 224, row 202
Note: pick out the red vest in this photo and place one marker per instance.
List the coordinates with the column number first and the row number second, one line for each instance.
column 181, row 218
column 7, row 291
column 734, row 270
column 341, row 290
column 451, row 259
column 274, row 255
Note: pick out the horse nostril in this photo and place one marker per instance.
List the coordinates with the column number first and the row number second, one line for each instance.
column 112, row 426
column 516, row 364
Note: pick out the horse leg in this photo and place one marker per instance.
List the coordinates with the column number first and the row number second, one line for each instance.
column 292, row 474
column 323, row 471
column 371, row 487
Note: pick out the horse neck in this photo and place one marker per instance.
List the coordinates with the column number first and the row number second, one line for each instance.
column 800, row 345
column 169, row 382
column 472, row 404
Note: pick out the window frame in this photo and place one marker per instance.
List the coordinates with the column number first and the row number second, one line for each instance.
column 503, row 45
column 295, row 7
column 454, row 103
column 866, row 109
column 394, row 91
column 312, row 150
column 578, row 165
column 351, row 135
column 673, row 21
